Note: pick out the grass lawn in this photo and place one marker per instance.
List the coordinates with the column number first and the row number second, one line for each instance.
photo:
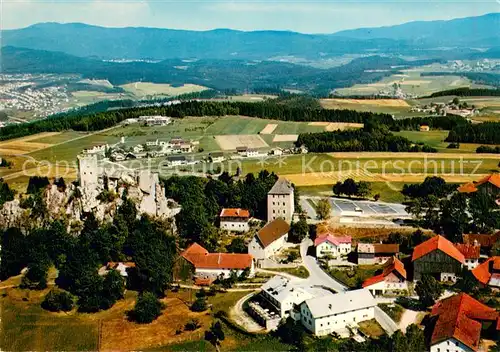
column 371, row 328
column 300, row 271
column 25, row 326
column 395, row 311
column 354, row 277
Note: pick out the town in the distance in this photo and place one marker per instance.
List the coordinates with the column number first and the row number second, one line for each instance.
column 250, row 191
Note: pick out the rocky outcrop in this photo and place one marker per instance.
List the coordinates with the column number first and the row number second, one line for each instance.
column 73, row 202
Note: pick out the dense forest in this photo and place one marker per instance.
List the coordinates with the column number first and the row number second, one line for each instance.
column 370, row 139
column 484, row 133
column 279, row 110
column 467, row 92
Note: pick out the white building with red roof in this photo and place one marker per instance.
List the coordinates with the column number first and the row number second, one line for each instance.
column 234, row 219
column 471, row 254
column 391, row 281
column 332, row 246
column 213, row 265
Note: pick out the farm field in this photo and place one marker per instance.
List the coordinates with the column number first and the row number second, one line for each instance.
column 436, row 139
column 411, row 82
column 144, row 89
column 397, row 107
column 26, row 326
column 389, row 192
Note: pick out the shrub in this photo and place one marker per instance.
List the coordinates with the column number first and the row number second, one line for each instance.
column 192, row 325
column 147, row 308
column 57, row 300
column 200, row 305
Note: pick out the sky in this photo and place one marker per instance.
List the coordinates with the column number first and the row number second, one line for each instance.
column 320, row 16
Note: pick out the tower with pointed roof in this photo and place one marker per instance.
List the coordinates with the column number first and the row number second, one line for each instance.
column 280, row 201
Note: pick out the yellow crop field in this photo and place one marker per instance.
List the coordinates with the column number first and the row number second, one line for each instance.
column 25, row 145
column 344, row 103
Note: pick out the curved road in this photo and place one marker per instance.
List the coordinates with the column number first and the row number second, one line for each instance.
column 316, row 275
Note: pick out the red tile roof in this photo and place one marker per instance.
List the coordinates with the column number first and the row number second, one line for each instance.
column 435, row 243
column 494, row 179
column 114, row 265
column 234, row 213
column 201, row 281
column 459, row 317
column 485, row 241
column 393, row 264
column 272, row 231
column 332, row 239
column 201, row 259
column 467, row 188
column 483, row 271
column 469, row 251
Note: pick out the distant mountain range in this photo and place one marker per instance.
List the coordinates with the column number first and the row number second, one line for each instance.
column 419, row 39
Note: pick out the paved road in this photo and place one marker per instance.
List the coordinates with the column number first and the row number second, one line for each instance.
column 385, row 321
column 316, row 275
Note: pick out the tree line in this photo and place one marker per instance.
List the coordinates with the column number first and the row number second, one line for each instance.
column 484, row 133
column 372, row 138
column 88, row 119
column 467, row 92
column 484, row 149
column 434, row 122
column 438, row 206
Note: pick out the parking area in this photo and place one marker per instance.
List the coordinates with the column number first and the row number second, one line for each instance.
column 358, row 208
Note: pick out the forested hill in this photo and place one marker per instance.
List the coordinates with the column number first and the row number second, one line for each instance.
column 160, row 44
column 466, row 92
column 83, row 121
column 222, row 75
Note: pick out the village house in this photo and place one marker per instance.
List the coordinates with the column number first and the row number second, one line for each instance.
column 152, row 143
column 488, row 273
column 155, row 120
column 376, row 253
column 176, row 160
column 458, row 323
column 276, row 151
column 278, row 298
column 485, row 241
column 437, row 257
column 242, row 151
column 96, row 149
column 216, row 157
column 471, row 254
column 210, row 266
column 234, row 219
column 490, row 183
column 392, row 280
column 328, row 245
column 334, row 313
column 269, row 240
column 280, row 201
column 138, row 148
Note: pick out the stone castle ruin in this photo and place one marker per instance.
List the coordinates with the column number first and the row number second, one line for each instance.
column 98, row 191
